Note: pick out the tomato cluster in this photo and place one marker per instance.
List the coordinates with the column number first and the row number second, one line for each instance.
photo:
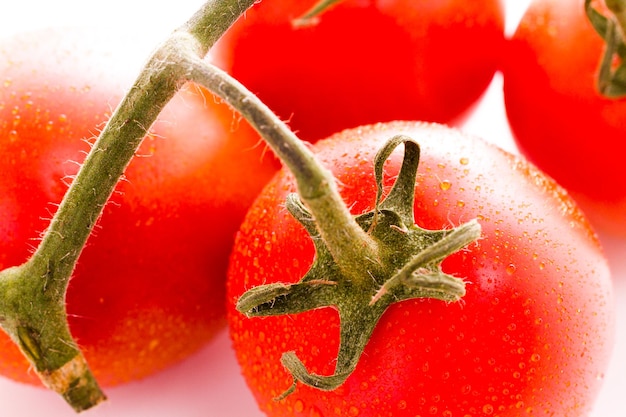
column 200, row 216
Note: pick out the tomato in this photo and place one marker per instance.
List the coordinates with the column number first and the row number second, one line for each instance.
column 148, row 289
column 559, row 119
column 366, row 61
column 532, row 335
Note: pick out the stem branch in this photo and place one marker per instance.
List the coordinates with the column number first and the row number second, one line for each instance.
column 346, row 240
column 32, row 295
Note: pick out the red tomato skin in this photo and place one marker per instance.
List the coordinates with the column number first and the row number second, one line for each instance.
column 149, row 287
column 365, row 61
column 532, row 335
column 560, row 121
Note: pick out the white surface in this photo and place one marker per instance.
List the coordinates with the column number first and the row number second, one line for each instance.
column 209, row 384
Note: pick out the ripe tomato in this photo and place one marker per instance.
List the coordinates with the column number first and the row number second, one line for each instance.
column 532, row 335
column 559, row 119
column 365, row 61
column 148, row 289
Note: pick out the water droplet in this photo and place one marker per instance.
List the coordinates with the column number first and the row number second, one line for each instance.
column 445, row 185
column 464, row 161
column 488, row 409
column 510, row 269
column 298, row 406
column 13, row 136
column 460, row 203
column 353, row 411
column 62, row 118
column 535, row 357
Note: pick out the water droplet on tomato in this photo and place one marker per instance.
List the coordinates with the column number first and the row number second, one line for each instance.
column 445, row 185
column 353, row 411
column 510, row 269
column 488, row 409
column 13, row 136
column 298, row 406
column 464, row 161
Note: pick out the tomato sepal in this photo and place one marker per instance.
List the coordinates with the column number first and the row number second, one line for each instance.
column 611, row 79
column 407, row 266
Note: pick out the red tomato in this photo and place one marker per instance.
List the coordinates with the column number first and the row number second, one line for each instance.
column 148, row 289
column 532, row 335
column 366, row 61
column 559, row 119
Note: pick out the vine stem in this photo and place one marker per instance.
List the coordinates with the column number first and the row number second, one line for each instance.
column 618, row 8
column 348, row 243
column 32, row 295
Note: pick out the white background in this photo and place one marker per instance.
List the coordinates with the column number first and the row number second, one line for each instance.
column 209, row 384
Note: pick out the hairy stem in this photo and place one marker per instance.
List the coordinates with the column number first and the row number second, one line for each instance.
column 348, row 243
column 32, row 295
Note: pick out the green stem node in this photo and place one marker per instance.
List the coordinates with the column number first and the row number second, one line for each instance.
column 408, row 266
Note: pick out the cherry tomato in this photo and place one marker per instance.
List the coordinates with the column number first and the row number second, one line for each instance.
column 365, row 62
column 559, row 119
column 532, row 335
column 148, row 289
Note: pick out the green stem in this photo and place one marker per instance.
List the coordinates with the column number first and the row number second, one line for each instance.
column 312, row 15
column 618, row 8
column 32, row 295
column 348, row 243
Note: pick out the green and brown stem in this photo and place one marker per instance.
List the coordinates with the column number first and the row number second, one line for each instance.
column 364, row 263
column 316, row 185
column 385, row 244
column 32, row 295
column 611, row 79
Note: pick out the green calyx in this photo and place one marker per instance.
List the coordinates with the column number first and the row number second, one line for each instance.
column 408, row 266
column 611, row 81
